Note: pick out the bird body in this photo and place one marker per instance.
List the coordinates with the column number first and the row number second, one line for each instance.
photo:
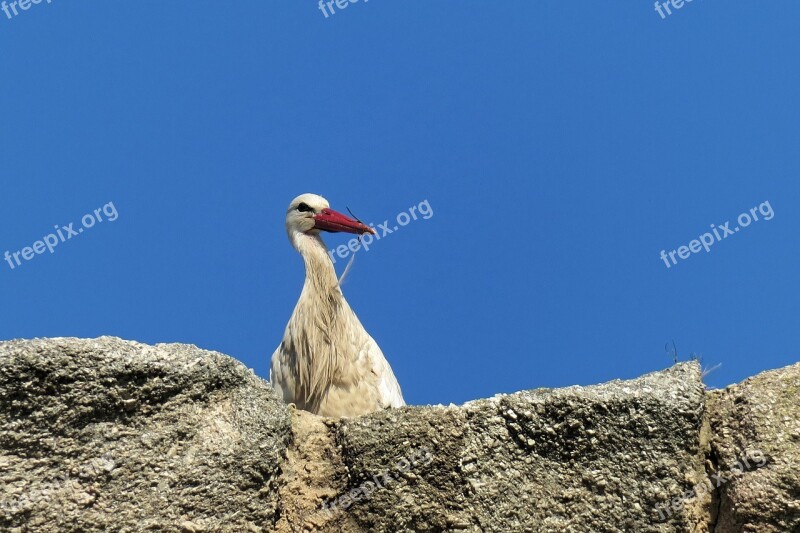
column 327, row 363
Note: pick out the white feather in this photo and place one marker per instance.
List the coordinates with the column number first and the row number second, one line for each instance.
column 327, row 363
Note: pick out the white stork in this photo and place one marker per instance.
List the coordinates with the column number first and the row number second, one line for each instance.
column 327, row 363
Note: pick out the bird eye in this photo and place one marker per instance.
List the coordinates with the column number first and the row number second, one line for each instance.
column 304, row 207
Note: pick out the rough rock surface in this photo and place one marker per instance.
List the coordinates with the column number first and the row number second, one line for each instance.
column 107, row 434
column 756, row 446
column 577, row 459
column 112, row 435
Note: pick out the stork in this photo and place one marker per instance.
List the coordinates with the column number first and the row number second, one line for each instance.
column 327, row 363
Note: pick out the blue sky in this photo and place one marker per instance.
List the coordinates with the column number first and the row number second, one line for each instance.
column 560, row 145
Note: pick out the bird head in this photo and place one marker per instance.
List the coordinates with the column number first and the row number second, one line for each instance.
column 310, row 213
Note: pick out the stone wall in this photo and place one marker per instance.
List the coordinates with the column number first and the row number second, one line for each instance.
column 106, row 434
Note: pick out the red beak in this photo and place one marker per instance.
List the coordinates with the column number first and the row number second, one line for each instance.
column 333, row 221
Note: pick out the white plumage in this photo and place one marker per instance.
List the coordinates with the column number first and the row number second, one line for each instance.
column 327, row 363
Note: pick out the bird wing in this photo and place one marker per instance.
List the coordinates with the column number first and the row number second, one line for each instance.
column 280, row 376
column 364, row 383
column 389, row 392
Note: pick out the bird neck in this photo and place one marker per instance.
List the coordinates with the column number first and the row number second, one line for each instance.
column 320, row 327
column 320, row 275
